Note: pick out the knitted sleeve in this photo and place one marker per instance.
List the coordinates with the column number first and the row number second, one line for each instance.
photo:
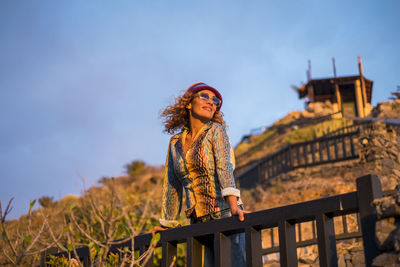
column 224, row 161
column 172, row 195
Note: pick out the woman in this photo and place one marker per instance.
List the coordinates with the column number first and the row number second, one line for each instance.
column 200, row 161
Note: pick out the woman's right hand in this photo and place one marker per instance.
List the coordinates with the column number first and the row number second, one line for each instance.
column 157, row 229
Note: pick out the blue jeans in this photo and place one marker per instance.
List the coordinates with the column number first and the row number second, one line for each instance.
column 238, row 248
column 238, row 252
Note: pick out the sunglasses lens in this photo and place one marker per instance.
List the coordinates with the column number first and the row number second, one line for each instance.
column 204, row 96
column 215, row 99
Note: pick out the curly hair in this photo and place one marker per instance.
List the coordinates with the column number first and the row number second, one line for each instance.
column 176, row 117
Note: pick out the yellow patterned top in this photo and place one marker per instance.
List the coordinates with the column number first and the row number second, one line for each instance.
column 205, row 173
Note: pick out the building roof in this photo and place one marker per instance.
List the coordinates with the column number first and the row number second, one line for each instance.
column 326, row 86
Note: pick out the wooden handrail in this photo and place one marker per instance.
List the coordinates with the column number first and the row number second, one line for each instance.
column 293, row 156
column 321, row 211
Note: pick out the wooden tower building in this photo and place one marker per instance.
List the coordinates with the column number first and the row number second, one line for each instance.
column 351, row 94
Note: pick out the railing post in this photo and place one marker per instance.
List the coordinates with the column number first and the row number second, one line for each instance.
column 352, row 145
column 314, row 235
column 344, row 147
column 269, row 166
column 194, row 252
column 368, row 188
column 326, row 241
column 328, row 149
column 299, row 231
column 285, row 158
column 335, row 142
column 168, row 253
column 298, row 154
column 290, row 161
column 149, row 263
column 272, row 237
column 312, row 153
column 287, row 244
column 83, row 253
column 222, row 250
column 344, row 223
column 45, row 254
column 253, row 247
column 278, row 163
column 320, row 147
column 305, row 154
column 86, row 257
column 259, row 175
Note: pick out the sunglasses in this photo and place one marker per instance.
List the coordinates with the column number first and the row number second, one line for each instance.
column 206, row 97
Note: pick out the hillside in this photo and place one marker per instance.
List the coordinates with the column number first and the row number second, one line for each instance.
column 130, row 205
column 378, row 148
column 297, row 126
column 379, row 156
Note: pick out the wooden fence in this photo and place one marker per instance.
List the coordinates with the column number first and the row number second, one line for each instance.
column 391, row 124
column 356, row 126
column 280, row 128
column 333, row 147
column 318, row 151
column 320, row 212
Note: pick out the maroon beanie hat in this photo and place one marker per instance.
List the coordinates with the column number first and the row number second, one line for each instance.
column 196, row 87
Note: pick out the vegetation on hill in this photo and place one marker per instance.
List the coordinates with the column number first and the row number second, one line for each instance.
column 120, row 209
column 123, row 207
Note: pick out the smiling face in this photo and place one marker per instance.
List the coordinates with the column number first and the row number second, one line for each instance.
column 202, row 109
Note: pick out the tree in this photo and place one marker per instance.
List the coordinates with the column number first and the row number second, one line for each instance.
column 103, row 218
column 22, row 242
column 134, row 167
column 46, row 201
column 105, row 180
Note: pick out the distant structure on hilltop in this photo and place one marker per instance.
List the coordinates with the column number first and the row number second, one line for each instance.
column 351, row 95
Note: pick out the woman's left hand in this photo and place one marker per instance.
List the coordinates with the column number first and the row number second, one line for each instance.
column 157, row 229
column 240, row 213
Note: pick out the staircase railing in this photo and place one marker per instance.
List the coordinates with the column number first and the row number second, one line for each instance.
column 335, row 146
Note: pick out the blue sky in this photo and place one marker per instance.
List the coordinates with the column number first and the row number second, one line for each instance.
column 82, row 82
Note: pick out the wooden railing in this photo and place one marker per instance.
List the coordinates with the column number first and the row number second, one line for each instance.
column 310, row 153
column 320, row 211
column 356, row 126
column 280, row 128
column 335, row 146
column 390, row 123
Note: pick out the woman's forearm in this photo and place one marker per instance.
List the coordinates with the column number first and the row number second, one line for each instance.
column 232, row 202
